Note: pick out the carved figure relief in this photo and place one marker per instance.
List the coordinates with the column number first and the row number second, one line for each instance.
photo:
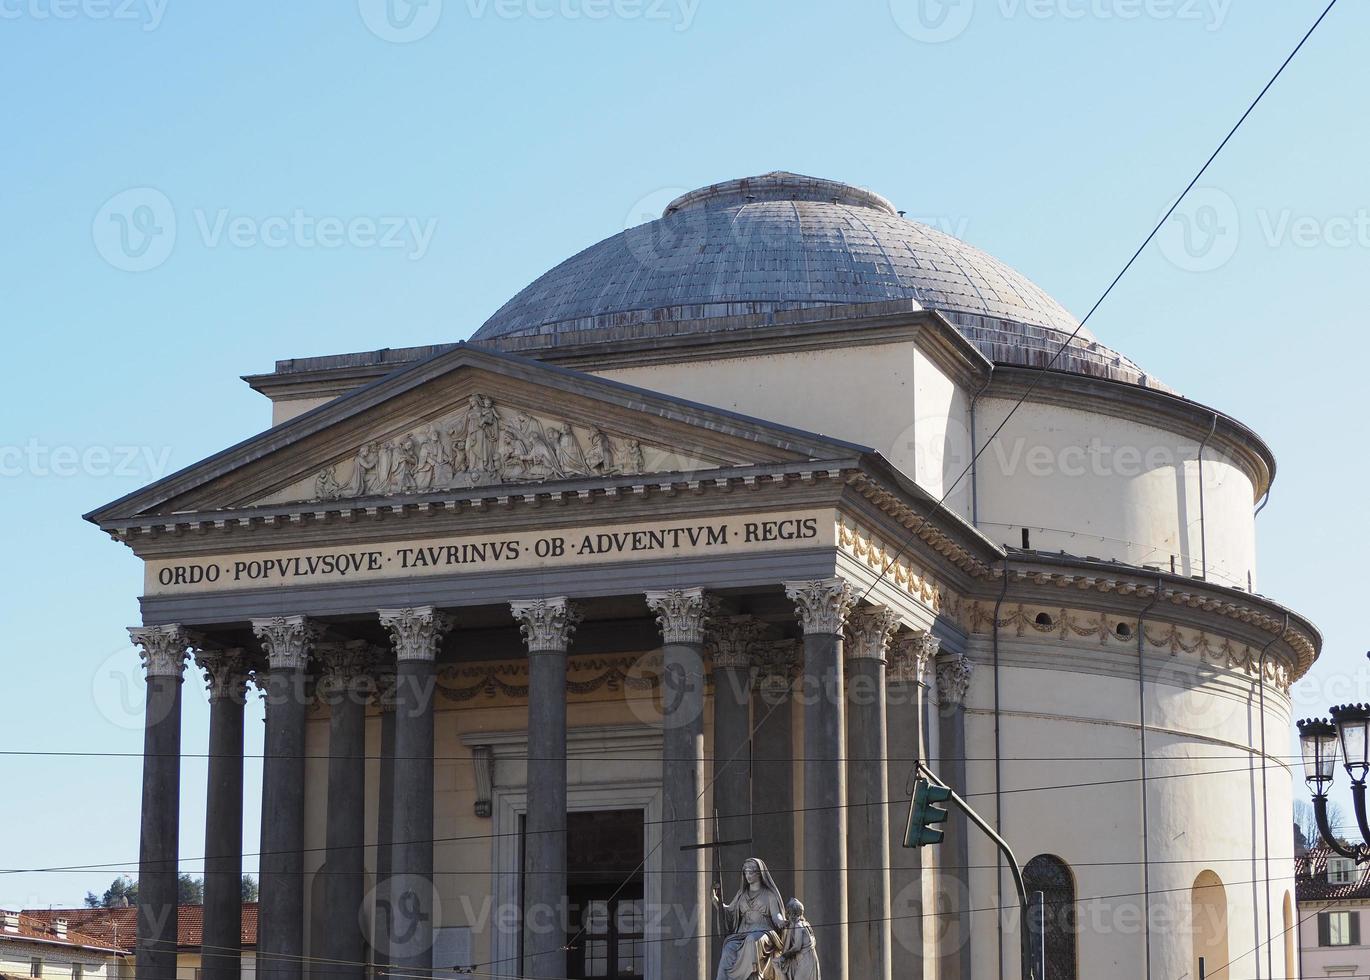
column 484, row 444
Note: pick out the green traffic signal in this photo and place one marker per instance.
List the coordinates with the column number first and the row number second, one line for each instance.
column 927, row 810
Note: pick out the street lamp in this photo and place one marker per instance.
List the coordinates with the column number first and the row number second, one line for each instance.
column 1347, row 735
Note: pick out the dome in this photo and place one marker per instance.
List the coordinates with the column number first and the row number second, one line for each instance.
column 783, row 241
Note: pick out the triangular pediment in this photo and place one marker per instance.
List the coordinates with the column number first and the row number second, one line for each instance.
column 469, row 419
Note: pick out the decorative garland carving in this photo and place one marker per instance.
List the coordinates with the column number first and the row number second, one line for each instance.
column 1115, row 629
column 483, row 445
column 917, row 582
column 509, row 679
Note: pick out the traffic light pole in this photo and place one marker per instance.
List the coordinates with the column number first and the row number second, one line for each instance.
column 1033, row 939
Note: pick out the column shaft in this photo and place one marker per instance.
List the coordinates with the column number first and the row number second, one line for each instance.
column 385, row 819
column 417, row 634
column 344, row 887
column 221, row 952
column 732, row 752
column 868, row 851
column 411, row 862
column 545, row 851
column 280, row 931
column 164, row 657
column 954, row 915
column 773, row 761
column 686, row 919
column 906, row 867
column 825, row 800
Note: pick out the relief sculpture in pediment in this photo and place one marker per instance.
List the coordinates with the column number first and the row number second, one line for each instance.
column 482, row 445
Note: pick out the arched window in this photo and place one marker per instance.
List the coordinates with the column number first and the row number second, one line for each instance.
column 1051, row 876
column 1210, row 927
column 1291, row 937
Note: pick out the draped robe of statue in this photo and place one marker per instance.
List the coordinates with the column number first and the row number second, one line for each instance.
column 755, row 919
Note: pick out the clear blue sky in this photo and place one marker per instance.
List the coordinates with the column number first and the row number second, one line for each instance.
column 1052, row 134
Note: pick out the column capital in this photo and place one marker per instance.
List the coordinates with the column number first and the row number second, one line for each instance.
column 822, row 605
column 226, row 672
column 287, row 640
column 911, row 656
column 164, row 649
column 416, row 632
column 731, row 640
column 682, row 614
column 777, row 666
column 344, row 663
column 953, row 678
column 869, row 629
column 546, row 624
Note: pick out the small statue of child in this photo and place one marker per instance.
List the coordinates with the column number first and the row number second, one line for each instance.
column 798, row 957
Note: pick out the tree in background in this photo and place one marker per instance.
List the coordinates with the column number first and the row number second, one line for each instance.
column 122, row 891
column 249, row 888
column 1307, row 823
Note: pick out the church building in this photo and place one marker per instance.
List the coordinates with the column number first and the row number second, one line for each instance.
column 677, row 568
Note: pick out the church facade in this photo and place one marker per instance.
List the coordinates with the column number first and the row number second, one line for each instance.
column 686, row 558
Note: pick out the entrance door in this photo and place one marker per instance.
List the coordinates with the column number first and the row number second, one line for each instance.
column 605, row 852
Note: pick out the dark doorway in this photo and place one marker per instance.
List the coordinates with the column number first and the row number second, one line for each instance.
column 604, row 853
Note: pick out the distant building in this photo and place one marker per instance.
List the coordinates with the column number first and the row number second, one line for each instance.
column 51, row 949
column 1334, row 914
column 117, row 928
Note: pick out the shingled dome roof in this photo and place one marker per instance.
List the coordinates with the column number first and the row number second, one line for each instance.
column 783, row 241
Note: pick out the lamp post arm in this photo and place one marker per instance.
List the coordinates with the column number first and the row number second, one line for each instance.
column 1358, row 804
column 1325, row 828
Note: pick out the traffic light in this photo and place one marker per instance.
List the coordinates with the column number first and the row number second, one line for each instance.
column 926, row 811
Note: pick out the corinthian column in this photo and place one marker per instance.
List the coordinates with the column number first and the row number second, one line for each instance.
column 954, row 673
column 684, row 920
column 226, row 673
column 287, row 642
column 868, row 841
column 164, row 651
column 822, row 607
column 345, row 685
column 417, row 636
column 546, row 625
column 910, row 662
column 733, row 640
column 777, row 667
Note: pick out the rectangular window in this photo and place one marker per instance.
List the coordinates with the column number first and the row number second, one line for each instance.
column 35, row 966
column 1339, row 929
column 1341, row 871
column 77, row 971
